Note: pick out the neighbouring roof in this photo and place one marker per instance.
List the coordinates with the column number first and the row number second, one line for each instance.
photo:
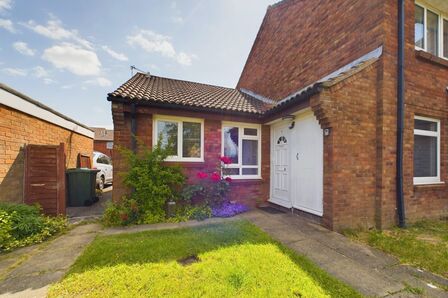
column 150, row 88
column 158, row 91
column 103, row 134
column 25, row 104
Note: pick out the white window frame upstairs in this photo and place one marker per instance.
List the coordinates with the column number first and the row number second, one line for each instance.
column 441, row 40
column 179, row 121
column 241, row 137
column 420, row 132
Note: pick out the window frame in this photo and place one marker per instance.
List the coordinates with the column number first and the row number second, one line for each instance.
column 179, row 121
column 441, row 40
column 241, row 126
column 420, row 132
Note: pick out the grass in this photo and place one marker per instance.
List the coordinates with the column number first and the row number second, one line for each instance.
column 233, row 259
column 423, row 244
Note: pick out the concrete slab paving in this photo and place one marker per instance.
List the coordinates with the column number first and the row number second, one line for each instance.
column 46, row 265
column 368, row 270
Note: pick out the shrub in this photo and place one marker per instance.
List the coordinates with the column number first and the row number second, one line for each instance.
column 22, row 225
column 153, row 184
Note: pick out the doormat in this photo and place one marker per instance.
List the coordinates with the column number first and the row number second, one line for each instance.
column 271, row 210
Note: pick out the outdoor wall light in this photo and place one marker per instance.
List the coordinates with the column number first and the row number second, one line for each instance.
column 291, row 118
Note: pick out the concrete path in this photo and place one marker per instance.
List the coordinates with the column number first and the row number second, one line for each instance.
column 77, row 214
column 368, row 270
column 29, row 271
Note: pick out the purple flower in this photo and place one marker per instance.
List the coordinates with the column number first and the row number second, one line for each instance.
column 228, row 209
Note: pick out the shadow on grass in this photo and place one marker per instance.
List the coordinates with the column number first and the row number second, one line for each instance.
column 171, row 245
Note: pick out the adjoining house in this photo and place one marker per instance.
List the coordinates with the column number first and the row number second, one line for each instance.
column 314, row 122
column 104, row 140
column 23, row 122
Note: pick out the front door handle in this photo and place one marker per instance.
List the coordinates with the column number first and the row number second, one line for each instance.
column 297, row 156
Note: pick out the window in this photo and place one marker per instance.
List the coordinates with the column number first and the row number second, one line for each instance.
column 103, row 159
column 183, row 136
column 426, row 150
column 431, row 31
column 241, row 142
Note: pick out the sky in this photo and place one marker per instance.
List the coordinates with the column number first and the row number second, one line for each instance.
column 70, row 54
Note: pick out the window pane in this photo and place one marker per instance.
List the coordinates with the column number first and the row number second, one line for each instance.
column 191, row 146
column 433, row 33
column 250, row 152
column 167, row 134
column 425, row 156
column 231, row 171
column 250, row 171
column 445, row 38
column 250, row 131
column 425, row 125
column 419, row 26
column 231, row 137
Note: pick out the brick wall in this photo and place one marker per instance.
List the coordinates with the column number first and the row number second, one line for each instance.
column 101, row 146
column 246, row 190
column 300, row 42
column 18, row 129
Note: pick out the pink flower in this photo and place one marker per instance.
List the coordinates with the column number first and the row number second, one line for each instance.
column 201, row 175
column 215, row 177
column 226, row 160
column 228, row 179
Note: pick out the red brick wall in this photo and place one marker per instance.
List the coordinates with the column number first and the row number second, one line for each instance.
column 300, row 42
column 246, row 191
column 101, row 146
column 18, row 129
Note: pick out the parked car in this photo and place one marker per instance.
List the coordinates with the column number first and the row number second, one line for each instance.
column 103, row 163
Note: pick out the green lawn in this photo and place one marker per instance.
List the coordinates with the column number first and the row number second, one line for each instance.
column 233, row 259
column 424, row 244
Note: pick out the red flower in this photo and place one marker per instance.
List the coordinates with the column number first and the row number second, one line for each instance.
column 226, row 160
column 215, row 177
column 124, row 216
column 201, row 175
column 228, row 179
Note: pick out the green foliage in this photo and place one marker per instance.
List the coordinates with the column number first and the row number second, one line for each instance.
column 200, row 212
column 153, row 184
column 236, row 259
column 22, row 225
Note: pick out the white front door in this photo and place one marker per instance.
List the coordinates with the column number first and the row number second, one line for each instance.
column 307, row 164
column 280, row 186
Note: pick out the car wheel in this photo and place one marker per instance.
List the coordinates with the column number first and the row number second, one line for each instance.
column 101, row 183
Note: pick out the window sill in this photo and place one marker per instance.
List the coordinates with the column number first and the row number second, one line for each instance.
column 247, row 181
column 423, row 55
column 429, row 186
column 184, row 164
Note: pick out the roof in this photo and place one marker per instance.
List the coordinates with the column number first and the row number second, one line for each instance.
column 21, row 102
column 154, row 89
column 103, row 134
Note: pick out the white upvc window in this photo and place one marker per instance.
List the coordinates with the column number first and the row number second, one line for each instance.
column 241, row 142
column 185, row 136
column 426, row 150
column 431, row 30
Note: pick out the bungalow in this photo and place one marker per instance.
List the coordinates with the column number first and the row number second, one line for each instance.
column 340, row 113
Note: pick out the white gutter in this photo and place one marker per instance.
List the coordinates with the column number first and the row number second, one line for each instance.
column 24, row 106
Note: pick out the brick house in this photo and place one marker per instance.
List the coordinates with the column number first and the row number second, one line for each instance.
column 25, row 121
column 313, row 123
column 104, row 140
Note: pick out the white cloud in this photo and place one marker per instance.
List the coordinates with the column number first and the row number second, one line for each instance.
column 77, row 60
column 153, row 42
column 7, row 25
column 99, row 81
column 48, row 81
column 22, row 48
column 54, row 29
column 67, row 86
column 113, row 54
column 16, row 72
column 40, row 72
column 5, row 5
column 177, row 20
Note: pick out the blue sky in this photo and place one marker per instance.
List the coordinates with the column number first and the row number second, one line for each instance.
column 70, row 54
